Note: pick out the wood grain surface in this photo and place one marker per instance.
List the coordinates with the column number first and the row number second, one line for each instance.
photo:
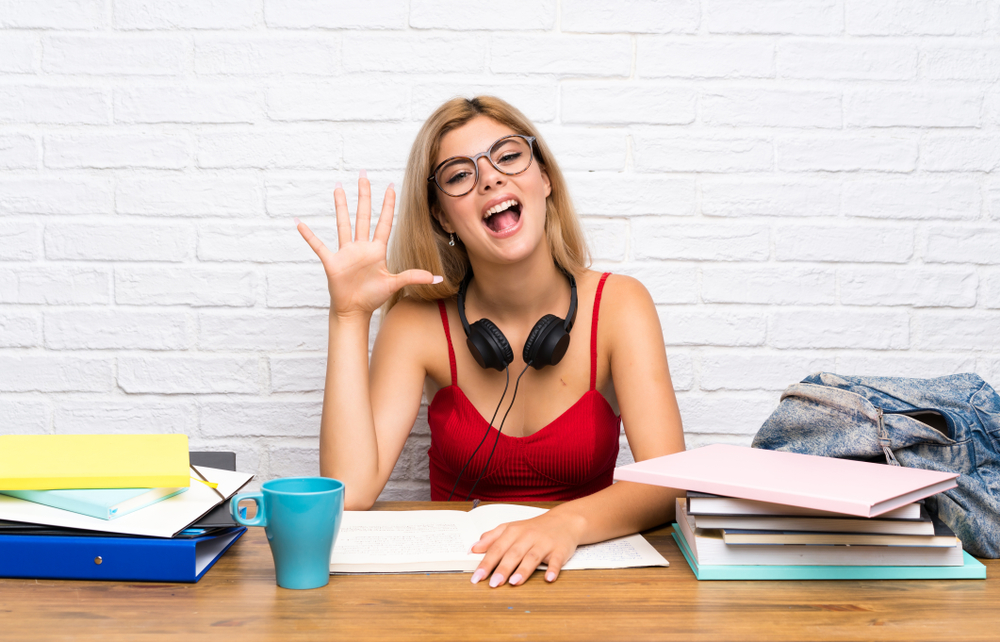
column 238, row 600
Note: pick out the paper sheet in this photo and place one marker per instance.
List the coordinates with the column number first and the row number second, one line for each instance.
column 206, row 552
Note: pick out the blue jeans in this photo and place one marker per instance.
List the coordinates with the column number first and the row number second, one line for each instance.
column 949, row 424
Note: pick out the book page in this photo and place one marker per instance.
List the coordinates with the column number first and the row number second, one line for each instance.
column 489, row 516
column 432, row 540
column 372, row 541
column 623, row 552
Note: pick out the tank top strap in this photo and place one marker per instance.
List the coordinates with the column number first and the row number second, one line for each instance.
column 451, row 350
column 593, row 331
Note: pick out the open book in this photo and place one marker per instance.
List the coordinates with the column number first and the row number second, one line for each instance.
column 440, row 541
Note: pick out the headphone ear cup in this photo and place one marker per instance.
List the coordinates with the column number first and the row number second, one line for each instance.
column 488, row 345
column 547, row 343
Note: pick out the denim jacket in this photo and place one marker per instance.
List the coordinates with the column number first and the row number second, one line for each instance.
column 949, row 424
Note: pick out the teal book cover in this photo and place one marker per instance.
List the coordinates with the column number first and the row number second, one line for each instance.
column 973, row 569
column 102, row 503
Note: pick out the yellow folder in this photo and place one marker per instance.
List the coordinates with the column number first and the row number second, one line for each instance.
column 45, row 462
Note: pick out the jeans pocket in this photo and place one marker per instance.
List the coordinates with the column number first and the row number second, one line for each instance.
column 987, row 406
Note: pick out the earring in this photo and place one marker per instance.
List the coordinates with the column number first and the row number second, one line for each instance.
column 452, row 241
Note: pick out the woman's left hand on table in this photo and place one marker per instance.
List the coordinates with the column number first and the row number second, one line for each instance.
column 515, row 549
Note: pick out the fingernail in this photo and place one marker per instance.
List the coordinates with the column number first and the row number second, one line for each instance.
column 515, row 578
column 550, row 576
column 496, row 580
column 297, row 221
column 478, row 575
column 437, row 279
column 392, row 186
column 338, row 186
column 363, row 173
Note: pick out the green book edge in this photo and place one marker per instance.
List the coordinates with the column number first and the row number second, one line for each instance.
column 972, row 569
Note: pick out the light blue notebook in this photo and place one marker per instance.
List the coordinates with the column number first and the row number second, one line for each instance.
column 102, row 503
column 973, row 569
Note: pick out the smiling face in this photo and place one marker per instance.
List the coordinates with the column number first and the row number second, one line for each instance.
column 502, row 219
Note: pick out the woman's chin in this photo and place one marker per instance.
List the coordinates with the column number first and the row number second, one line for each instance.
column 518, row 248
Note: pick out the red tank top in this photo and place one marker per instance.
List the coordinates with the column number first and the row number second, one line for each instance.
column 571, row 457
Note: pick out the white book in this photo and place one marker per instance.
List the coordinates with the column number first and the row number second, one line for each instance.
column 710, row 549
column 707, row 504
column 816, row 524
column 441, row 541
column 740, row 537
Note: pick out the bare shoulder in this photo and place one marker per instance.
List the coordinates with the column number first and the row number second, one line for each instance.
column 623, row 297
column 629, row 320
column 411, row 331
column 411, row 319
column 412, row 336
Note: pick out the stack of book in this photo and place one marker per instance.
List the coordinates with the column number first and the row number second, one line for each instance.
column 758, row 514
column 113, row 507
column 732, row 538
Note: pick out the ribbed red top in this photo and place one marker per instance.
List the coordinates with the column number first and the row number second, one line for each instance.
column 571, row 457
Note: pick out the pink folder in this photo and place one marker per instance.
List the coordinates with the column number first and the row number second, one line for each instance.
column 824, row 483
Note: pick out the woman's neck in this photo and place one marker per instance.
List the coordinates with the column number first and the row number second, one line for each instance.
column 526, row 289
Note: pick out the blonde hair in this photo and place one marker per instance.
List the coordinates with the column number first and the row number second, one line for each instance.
column 419, row 241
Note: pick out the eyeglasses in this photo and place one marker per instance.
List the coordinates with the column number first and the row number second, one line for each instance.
column 459, row 175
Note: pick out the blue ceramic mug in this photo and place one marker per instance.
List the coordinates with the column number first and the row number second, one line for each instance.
column 301, row 516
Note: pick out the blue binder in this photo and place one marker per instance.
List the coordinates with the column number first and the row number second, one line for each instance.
column 130, row 559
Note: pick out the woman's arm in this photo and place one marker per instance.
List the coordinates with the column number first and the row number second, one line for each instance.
column 631, row 329
column 368, row 412
column 359, row 446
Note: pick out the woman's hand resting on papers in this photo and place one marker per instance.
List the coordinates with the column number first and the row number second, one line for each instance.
column 514, row 550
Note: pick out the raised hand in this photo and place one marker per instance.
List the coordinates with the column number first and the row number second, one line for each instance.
column 356, row 273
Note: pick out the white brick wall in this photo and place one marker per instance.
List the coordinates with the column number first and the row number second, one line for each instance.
column 802, row 185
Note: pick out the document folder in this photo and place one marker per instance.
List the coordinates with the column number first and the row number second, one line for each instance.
column 131, row 559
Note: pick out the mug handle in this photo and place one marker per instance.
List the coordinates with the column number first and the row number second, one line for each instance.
column 260, row 519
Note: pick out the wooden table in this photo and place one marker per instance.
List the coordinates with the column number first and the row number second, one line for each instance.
column 238, row 599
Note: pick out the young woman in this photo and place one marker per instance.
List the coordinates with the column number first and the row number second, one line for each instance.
column 487, row 230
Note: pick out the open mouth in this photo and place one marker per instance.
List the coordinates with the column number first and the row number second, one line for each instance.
column 503, row 216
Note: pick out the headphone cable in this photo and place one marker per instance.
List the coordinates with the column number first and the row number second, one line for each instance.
column 499, row 430
column 485, row 435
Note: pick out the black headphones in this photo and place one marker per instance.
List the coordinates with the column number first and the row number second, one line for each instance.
column 546, row 344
